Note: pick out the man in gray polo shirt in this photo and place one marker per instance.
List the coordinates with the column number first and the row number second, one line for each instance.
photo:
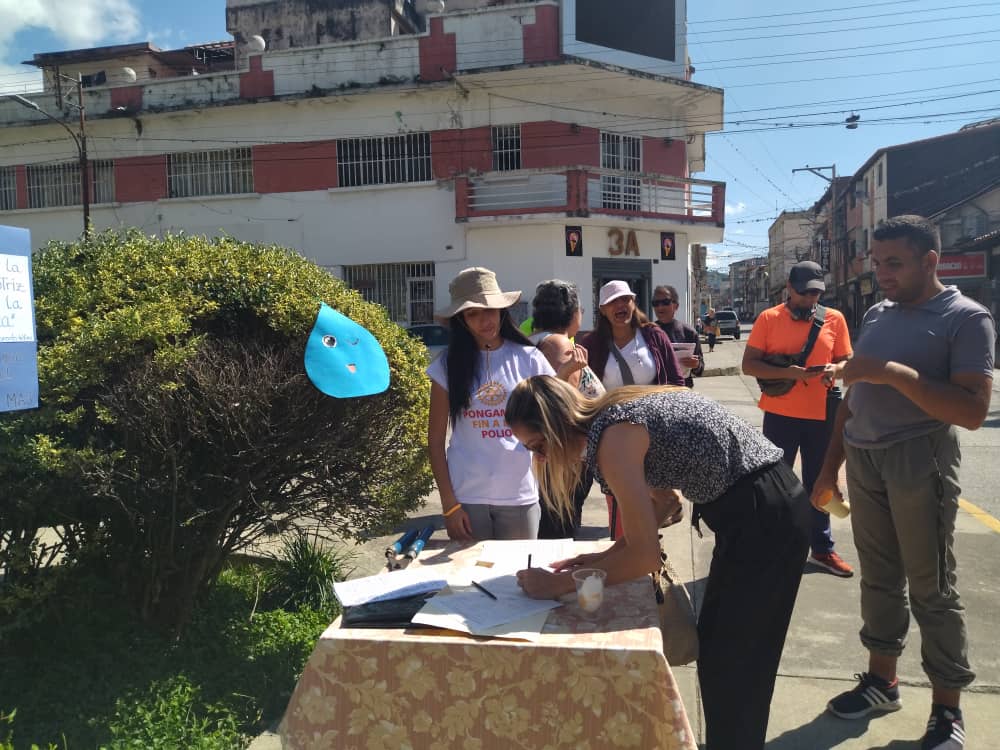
column 923, row 363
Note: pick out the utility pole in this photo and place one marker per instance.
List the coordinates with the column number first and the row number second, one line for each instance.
column 834, row 236
column 79, row 139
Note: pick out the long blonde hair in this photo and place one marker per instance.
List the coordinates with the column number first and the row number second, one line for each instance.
column 561, row 415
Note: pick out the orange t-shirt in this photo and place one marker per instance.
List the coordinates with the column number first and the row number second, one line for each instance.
column 776, row 332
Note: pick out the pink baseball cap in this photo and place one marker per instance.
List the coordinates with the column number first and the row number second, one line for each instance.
column 613, row 290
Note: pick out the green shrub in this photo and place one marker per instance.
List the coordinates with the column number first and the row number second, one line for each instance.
column 88, row 664
column 169, row 716
column 303, row 573
column 177, row 425
column 8, row 742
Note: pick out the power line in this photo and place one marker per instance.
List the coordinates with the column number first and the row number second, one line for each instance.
column 804, row 12
column 921, row 22
column 845, row 20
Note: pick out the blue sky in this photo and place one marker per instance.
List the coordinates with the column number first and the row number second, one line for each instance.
column 791, row 72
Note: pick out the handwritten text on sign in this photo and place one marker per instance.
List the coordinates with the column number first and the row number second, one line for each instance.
column 16, row 319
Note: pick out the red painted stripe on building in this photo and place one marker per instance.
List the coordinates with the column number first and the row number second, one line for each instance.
column 256, row 83
column 294, row 167
column 438, row 53
column 559, row 144
column 129, row 97
column 541, row 38
column 141, row 178
column 664, row 156
column 457, row 151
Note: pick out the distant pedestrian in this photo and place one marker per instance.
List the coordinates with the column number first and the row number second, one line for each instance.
column 797, row 421
column 923, row 364
column 711, row 326
column 665, row 304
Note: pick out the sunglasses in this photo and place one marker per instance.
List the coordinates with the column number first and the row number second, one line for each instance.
column 663, row 302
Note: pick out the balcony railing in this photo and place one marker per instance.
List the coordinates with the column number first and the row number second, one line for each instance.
column 582, row 191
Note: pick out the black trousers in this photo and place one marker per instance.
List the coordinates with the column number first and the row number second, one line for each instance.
column 761, row 527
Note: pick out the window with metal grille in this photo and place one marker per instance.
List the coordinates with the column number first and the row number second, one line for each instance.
column 406, row 290
column 622, row 153
column 8, row 189
column 59, row 184
column 226, row 171
column 506, row 141
column 385, row 160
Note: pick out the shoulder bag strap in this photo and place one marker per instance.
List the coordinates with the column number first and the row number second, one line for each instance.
column 627, row 378
column 819, row 318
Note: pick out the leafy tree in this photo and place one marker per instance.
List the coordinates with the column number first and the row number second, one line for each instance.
column 177, row 424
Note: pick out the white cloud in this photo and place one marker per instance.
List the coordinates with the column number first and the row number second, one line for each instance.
column 735, row 209
column 79, row 23
column 75, row 23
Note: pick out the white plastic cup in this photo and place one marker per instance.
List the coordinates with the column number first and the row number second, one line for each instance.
column 835, row 504
column 589, row 588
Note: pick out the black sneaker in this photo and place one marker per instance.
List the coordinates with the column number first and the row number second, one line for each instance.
column 945, row 729
column 873, row 694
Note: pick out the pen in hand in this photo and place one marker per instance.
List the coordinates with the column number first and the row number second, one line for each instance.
column 529, row 559
column 490, row 594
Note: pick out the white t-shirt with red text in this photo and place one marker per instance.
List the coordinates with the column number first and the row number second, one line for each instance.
column 486, row 463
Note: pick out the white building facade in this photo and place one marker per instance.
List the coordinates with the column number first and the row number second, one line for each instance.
column 477, row 136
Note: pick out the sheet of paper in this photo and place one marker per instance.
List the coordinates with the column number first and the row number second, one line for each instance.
column 394, row 585
column 480, row 611
column 526, row 629
column 507, row 556
column 684, row 349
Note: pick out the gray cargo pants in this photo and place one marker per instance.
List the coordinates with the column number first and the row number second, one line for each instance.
column 904, row 500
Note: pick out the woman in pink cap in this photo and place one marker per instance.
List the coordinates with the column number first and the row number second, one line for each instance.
column 626, row 349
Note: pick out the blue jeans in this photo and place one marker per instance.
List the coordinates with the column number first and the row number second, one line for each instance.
column 810, row 438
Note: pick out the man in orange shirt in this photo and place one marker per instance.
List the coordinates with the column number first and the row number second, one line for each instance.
column 797, row 421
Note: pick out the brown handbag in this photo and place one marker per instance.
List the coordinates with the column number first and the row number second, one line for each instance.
column 678, row 622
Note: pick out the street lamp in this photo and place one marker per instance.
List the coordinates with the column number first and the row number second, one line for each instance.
column 79, row 139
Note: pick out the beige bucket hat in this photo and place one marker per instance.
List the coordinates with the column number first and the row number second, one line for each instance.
column 476, row 288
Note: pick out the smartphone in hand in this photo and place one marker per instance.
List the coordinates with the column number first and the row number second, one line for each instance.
column 815, row 368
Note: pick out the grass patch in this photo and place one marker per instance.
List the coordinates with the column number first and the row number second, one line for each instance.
column 86, row 673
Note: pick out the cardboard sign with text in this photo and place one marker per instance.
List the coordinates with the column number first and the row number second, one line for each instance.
column 18, row 343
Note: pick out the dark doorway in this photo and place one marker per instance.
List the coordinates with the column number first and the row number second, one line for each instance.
column 637, row 273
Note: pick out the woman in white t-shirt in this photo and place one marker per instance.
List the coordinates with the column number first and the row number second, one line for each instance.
column 484, row 478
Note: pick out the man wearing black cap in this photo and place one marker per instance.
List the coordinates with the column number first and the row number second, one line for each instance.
column 796, row 420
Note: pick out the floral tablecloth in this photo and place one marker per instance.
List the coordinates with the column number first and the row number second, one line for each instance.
column 586, row 684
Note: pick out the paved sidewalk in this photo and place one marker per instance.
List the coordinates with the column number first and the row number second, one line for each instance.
column 822, row 651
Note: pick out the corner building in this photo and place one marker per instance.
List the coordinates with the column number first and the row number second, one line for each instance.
column 393, row 143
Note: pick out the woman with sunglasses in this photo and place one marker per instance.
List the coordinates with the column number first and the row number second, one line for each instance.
column 665, row 303
column 642, row 444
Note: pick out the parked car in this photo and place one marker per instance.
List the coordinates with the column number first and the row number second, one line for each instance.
column 434, row 336
column 728, row 322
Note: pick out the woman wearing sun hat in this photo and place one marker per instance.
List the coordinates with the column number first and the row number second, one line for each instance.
column 484, row 477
